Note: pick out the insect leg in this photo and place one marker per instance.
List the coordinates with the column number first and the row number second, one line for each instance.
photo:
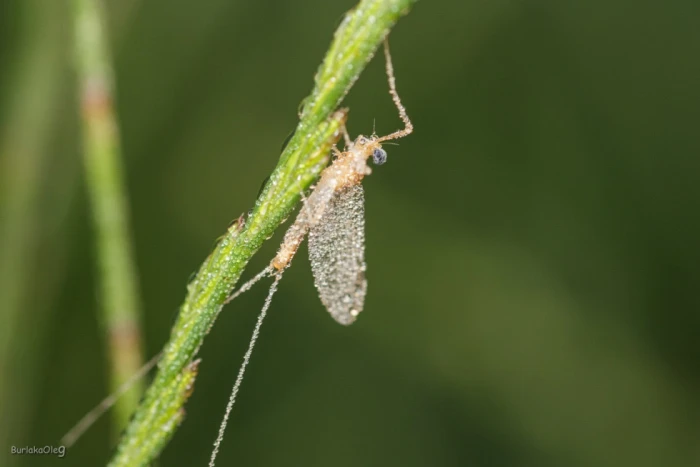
column 346, row 136
column 241, row 371
column 92, row 416
column 247, row 286
column 408, row 126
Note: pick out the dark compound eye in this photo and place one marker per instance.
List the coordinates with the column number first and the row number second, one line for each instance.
column 379, row 156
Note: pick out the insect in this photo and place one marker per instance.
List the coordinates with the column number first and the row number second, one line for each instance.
column 333, row 217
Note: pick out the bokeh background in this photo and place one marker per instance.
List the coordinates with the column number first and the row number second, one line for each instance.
column 532, row 249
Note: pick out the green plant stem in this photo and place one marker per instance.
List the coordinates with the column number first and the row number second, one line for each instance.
column 105, row 181
column 354, row 44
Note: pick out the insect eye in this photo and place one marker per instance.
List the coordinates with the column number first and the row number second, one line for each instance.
column 379, row 156
column 362, row 140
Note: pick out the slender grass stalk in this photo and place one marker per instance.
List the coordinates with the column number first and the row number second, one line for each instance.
column 34, row 82
column 354, row 44
column 101, row 150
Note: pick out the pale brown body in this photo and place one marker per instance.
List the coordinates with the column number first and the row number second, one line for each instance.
column 348, row 169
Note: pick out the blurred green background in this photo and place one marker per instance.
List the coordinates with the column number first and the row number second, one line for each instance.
column 532, row 248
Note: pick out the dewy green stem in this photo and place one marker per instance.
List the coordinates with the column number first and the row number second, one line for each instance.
column 119, row 303
column 355, row 42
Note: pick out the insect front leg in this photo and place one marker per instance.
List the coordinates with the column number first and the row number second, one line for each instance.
column 408, row 126
column 346, row 136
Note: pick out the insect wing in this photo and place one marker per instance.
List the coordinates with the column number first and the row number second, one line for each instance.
column 337, row 254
